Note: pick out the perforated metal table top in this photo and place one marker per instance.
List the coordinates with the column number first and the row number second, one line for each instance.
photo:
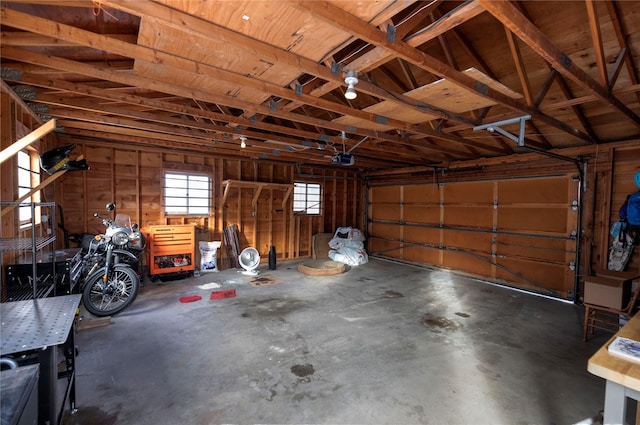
column 36, row 324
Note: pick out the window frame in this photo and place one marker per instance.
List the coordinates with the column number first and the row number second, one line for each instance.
column 189, row 177
column 309, row 204
column 24, row 187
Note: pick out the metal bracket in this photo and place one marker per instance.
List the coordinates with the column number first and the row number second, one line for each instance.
column 496, row 127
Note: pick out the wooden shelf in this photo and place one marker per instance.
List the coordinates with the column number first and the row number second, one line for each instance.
column 258, row 186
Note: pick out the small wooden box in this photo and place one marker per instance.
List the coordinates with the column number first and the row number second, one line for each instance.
column 607, row 291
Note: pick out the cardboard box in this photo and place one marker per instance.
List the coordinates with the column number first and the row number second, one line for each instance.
column 609, row 292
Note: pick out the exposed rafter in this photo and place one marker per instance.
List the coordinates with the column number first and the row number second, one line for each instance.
column 343, row 20
column 513, row 19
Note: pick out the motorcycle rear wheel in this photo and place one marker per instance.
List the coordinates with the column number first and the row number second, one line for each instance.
column 120, row 290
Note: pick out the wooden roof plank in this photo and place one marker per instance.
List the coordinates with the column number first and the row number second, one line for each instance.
column 512, row 18
column 341, row 19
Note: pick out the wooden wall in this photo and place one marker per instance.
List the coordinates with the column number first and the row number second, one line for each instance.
column 132, row 179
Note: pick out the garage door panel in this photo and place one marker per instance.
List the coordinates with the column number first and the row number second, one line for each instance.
column 468, row 192
column 421, row 214
column 421, row 193
column 387, row 231
column 385, row 194
column 532, row 218
column 425, row 235
column 420, row 254
column 388, row 248
column 386, row 212
column 544, row 190
column 531, row 247
column 466, row 262
column 529, row 273
column 469, row 216
column 474, row 241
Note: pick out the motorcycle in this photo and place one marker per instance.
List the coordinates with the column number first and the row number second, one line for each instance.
column 110, row 282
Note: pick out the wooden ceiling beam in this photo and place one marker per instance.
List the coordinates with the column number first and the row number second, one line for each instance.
column 617, row 66
column 339, row 18
column 577, row 109
column 133, row 80
column 513, row 19
column 448, row 53
column 482, row 65
column 623, row 37
column 230, row 119
column 65, row 32
column 555, row 76
column 157, row 116
column 459, row 15
column 544, row 88
column 192, row 25
column 596, row 35
column 379, row 56
column 57, row 30
column 520, row 66
column 229, row 150
column 406, row 71
column 141, row 120
column 27, row 39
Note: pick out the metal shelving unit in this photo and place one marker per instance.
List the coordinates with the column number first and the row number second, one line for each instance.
column 31, row 246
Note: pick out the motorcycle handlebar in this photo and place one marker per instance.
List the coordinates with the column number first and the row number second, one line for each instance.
column 105, row 221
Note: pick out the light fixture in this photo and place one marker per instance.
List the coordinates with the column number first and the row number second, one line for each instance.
column 351, row 80
column 243, row 142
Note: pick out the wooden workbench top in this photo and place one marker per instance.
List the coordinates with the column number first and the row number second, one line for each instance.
column 616, row 369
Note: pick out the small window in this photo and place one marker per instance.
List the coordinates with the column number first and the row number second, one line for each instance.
column 187, row 194
column 307, row 198
column 28, row 178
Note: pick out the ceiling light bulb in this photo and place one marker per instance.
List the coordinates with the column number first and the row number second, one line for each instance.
column 243, row 142
column 350, row 93
column 351, row 80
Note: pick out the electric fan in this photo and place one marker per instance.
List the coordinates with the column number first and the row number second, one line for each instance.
column 249, row 260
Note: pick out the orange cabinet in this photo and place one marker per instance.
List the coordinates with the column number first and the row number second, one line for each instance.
column 170, row 249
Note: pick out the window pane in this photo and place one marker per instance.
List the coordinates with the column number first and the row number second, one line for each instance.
column 198, row 193
column 307, row 198
column 174, row 201
column 187, row 194
column 24, row 184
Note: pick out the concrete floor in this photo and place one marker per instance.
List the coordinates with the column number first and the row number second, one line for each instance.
column 383, row 343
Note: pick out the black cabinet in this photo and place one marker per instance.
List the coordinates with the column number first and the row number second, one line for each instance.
column 55, row 276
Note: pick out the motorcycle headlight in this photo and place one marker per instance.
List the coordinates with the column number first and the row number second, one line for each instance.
column 120, row 238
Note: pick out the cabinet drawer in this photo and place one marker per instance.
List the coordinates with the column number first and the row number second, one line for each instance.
column 173, row 249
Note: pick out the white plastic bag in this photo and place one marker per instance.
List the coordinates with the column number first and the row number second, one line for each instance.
column 346, row 236
column 208, row 256
column 349, row 256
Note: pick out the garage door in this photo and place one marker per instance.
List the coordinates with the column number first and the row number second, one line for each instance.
column 516, row 232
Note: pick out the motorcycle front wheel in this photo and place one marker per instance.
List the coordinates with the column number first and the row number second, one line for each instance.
column 111, row 297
